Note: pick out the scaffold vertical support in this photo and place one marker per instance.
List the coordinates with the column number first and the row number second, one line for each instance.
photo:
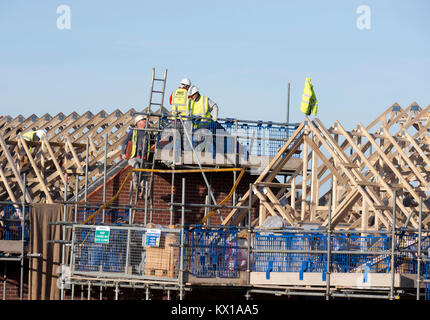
column 329, row 231
column 21, row 280
column 181, row 260
column 419, row 258
column 248, row 257
column 63, row 251
column 393, row 247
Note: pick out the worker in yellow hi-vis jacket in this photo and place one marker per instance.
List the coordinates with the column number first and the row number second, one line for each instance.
column 32, row 136
column 309, row 102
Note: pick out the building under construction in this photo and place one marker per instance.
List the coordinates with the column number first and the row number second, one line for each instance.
column 234, row 209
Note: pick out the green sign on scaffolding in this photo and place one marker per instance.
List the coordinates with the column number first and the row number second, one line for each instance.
column 102, row 234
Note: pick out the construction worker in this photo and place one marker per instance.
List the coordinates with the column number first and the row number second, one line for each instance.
column 207, row 110
column 202, row 106
column 32, row 136
column 136, row 148
column 179, row 99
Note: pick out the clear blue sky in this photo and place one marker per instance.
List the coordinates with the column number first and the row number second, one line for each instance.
column 241, row 54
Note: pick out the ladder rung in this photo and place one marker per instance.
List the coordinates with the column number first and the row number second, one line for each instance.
column 155, row 79
column 158, row 91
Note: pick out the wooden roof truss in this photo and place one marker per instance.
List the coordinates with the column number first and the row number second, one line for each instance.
column 366, row 170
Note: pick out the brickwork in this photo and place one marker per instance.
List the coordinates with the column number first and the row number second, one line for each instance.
column 195, row 192
column 10, row 280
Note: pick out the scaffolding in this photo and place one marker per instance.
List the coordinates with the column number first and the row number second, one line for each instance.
column 385, row 264
column 89, row 161
column 328, row 247
column 14, row 230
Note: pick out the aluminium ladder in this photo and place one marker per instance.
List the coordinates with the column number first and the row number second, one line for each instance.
column 158, row 91
column 149, row 110
column 151, row 103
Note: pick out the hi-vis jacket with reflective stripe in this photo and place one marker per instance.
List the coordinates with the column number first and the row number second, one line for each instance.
column 200, row 108
column 309, row 102
column 180, row 102
column 134, row 146
column 29, row 136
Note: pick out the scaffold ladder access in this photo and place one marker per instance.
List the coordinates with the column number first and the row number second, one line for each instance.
column 155, row 89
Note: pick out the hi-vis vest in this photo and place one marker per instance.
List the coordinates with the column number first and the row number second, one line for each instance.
column 29, row 136
column 134, row 146
column 180, row 102
column 309, row 102
column 200, row 108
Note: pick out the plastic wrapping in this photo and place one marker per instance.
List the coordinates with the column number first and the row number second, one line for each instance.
column 274, row 222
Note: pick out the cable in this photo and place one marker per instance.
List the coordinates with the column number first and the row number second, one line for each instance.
column 226, row 198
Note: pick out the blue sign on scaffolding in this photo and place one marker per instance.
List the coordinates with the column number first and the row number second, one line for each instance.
column 153, row 238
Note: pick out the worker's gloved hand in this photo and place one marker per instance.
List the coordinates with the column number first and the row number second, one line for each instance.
column 215, row 118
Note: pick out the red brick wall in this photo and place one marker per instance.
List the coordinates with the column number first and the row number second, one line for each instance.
column 13, row 269
column 195, row 192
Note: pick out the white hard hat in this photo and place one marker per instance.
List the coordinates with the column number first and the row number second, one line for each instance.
column 40, row 133
column 138, row 118
column 193, row 90
column 186, row 82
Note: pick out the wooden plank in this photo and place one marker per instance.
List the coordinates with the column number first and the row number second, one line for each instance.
column 405, row 158
column 337, row 279
column 75, row 156
column 54, row 159
column 392, row 167
column 12, row 166
column 314, row 185
column 293, row 193
column 344, row 207
column 262, row 214
column 382, row 117
column 264, row 201
column 11, row 246
column 372, row 168
column 417, row 147
column 7, row 186
column 36, row 171
column 336, row 152
column 304, row 178
column 272, row 184
column 279, row 207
